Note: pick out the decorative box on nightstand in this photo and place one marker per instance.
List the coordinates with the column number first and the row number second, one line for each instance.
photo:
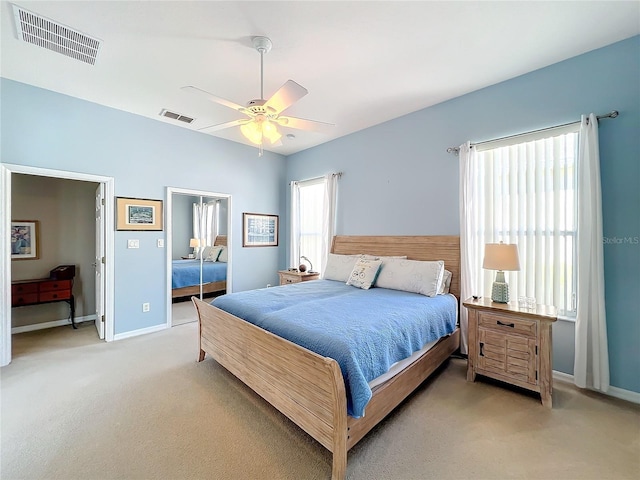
column 294, row 276
column 511, row 344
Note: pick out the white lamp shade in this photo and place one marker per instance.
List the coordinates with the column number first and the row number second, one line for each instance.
column 501, row 256
column 194, row 242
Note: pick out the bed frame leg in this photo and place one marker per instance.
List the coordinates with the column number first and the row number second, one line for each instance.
column 339, row 468
column 201, row 355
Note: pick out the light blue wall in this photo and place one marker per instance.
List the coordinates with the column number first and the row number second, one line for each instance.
column 398, row 178
column 44, row 129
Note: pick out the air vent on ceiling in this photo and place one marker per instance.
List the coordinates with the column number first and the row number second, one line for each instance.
column 176, row 116
column 45, row 33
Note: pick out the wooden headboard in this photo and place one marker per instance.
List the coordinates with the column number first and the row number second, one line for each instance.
column 220, row 240
column 418, row 247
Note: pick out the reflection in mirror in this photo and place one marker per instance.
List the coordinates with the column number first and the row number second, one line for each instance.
column 199, row 251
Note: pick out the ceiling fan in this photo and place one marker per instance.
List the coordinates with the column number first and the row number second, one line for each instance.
column 264, row 116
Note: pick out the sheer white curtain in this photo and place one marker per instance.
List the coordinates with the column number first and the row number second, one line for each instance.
column 328, row 216
column 294, row 228
column 591, row 366
column 205, row 223
column 470, row 241
column 313, row 218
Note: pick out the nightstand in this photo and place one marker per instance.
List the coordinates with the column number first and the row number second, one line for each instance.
column 511, row 344
column 290, row 276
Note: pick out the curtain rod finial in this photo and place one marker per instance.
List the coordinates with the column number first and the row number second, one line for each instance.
column 454, row 150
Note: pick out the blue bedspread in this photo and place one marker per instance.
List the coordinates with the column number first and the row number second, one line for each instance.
column 186, row 273
column 365, row 331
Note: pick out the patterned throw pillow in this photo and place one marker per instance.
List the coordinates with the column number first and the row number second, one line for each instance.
column 214, row 253
column 224, row 254
column 364, row 273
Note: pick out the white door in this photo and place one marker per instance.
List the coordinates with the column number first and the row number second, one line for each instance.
column 99, row 263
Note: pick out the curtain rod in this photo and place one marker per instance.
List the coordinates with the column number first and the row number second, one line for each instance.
column 456, row 150
column 338, row 174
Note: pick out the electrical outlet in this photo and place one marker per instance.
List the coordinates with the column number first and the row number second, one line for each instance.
column 146, row 307
column 133, row 243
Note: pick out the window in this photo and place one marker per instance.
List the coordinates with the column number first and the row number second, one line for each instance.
column 525, row 193
column 313, row 215
column 311, row 208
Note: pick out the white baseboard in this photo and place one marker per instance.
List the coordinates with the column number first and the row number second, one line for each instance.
column 616, row 392
column 142, row 331
column 51, row 324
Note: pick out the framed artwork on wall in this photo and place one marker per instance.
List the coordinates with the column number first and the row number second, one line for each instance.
column 138, row 214
column 25, row 239
column 259, row 230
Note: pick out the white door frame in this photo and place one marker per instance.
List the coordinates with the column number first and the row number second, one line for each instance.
column 6, row 170
column 169, row 242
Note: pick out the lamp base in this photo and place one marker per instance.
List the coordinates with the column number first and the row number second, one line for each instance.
column 500, row 289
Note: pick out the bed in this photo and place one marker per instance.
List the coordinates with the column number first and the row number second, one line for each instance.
column 185, row 275
column 309, row 388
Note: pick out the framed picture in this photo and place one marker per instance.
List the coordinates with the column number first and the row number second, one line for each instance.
column 259, row 230
column 25, row 239
column 138, row 214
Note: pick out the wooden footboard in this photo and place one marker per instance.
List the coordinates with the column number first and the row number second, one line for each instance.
column 304, row 386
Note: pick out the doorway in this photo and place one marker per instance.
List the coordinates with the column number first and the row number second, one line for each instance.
column 104, row 269
column 180, row 242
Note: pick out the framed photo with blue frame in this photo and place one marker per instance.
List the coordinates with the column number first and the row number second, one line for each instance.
column 138, row 214
column 259, row 230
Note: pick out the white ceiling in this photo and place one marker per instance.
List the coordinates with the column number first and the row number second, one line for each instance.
column 363, row 62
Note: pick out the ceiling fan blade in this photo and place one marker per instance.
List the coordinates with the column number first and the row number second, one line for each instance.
column 303, row 124
column 214, row 98
column 222, row 126
column 287, row 95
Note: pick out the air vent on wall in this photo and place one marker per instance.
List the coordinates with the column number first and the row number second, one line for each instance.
column 176, row 116
column 45, row 33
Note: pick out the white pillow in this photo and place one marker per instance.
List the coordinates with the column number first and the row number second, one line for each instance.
column 213, row 254
column 446, row 283
column 378, row 257
column 411, row 276
column 224, row 254
column 339, row 267
column 204, row 251
column 364, row 273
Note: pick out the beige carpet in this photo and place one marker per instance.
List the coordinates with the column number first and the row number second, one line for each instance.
column 142, row 408
column 183, row 312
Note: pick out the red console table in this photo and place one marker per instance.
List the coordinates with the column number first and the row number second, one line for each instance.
column 43, row 290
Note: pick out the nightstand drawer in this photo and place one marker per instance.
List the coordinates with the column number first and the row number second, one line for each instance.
column 286, row 280
column 507, row 324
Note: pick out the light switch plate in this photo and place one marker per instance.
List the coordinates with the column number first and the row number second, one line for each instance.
column 133, row 243
column 161, row 243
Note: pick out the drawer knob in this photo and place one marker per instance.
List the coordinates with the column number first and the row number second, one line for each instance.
column 510, row 325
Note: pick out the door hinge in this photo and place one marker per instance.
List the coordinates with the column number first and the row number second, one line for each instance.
column 104, row 260
column 102, row 320
column 102, row 202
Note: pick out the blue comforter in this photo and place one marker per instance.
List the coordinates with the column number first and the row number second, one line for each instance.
column 365, row 331
column 186, row 273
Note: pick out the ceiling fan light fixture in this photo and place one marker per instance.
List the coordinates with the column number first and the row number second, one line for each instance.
column 270, row 131
column 252, row 131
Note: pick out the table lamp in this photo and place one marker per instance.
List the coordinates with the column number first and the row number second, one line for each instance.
column 500, row 257
column 194, row 243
